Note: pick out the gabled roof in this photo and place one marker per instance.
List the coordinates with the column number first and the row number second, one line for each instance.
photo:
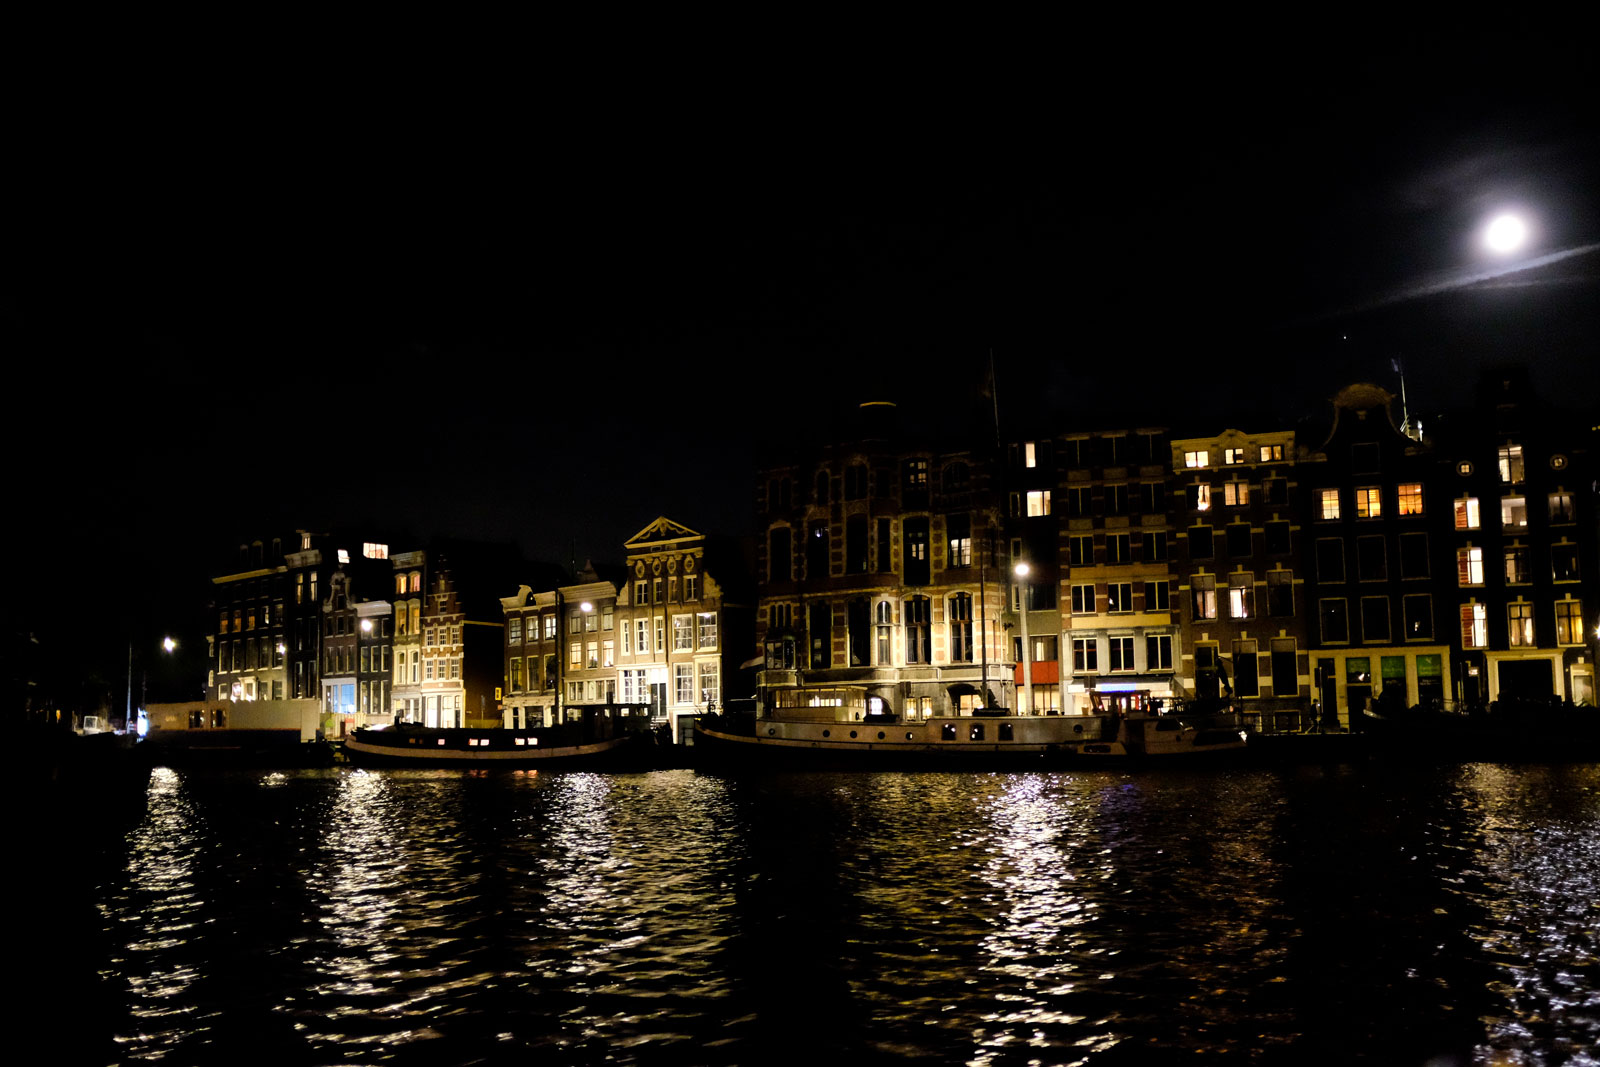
column 661, row 532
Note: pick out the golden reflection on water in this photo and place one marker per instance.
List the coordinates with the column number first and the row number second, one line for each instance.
column 1539, row 888
column 161, row 905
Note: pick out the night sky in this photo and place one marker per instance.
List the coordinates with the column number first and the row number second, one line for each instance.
column 551, row 309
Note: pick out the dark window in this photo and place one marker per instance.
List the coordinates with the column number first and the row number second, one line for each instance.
column 1200, row 542
column 1276, row 490
column 1414, row 555
column 1152, row 497
column 1155, row 546
column 1375, row 619
column 1371, row 563
column 1080, row 550
column 957, row 478
column 1564, row 562
column 858, row 619
column 1239, row 539
column 855, row 543
column 1330, row 559
column 822, row 487
column 1418, row 608
column 960, row 608
column 817, row 551
column 1246, row 670
column 1334, row 614
column 821, row 624
column 1280, row 592
column 1116, row 499
column 780, row 555
column 1285, row 671
column 1277, row 537
column 918, row 571
column 1118, row 549
column 919, row 631
column 855, row 482
column 885, row 545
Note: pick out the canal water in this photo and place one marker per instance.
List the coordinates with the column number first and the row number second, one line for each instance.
column 1348, row 914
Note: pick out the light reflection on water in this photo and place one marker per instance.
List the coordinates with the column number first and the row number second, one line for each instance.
column 1367, row 914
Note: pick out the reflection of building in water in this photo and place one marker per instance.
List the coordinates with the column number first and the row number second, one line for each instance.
column 1240, row 580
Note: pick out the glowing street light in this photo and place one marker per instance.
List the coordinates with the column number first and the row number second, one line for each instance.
column 169, row 644
column 1022, row 570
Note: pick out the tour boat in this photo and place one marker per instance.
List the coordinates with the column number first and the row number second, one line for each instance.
column 554, row 746
column 813, row 726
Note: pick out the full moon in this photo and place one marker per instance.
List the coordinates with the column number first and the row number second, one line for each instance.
column 1505, row 234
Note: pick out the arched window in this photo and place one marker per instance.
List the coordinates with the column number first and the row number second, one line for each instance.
column 961, row 628
column 919, row 630
column 780, row 554
column 416, row 581
column 885, row 625
column 855, row 481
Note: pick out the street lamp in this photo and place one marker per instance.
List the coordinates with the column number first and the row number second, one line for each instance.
column 1022, row 570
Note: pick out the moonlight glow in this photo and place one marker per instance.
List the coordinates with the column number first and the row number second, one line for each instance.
column 1505, row 234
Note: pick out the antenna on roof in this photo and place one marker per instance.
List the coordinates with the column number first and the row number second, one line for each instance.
column 1411, row 429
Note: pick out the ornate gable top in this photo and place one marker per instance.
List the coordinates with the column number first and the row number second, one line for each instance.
column 661, row 532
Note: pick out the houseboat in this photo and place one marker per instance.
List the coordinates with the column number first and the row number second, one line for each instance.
column 814, row 727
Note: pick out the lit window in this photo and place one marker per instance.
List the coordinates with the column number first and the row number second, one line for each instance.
column 1203, row 589
column 1330, row 503
column 1236, row 494
column 1469, row 565
column 1466, row 510
column 344, row 555
column 1474, row 626
column 1038, row 503
column 374, row 551
column 1232, row 455
column 1408, row 498
column 1269, row 453
column 1369, row 502
column 1197, row 459
column 1513, row 511
column 1511, row 464
column 1561, row 509
column 708, row 629
column 1029, row 455
column 1569, row 622
column 1519, row 622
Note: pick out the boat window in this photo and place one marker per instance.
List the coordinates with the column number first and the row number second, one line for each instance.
column 910, row 736
column 852, row 733
column 947, row 732
column 977, row 732
column 827, row 733
column 880, row 735
column 1006, row 732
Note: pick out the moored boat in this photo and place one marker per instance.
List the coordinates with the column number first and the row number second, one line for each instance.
column 567, row 746
column 832, row 728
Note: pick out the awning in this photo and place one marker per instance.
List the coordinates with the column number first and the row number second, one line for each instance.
column 754, row 661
